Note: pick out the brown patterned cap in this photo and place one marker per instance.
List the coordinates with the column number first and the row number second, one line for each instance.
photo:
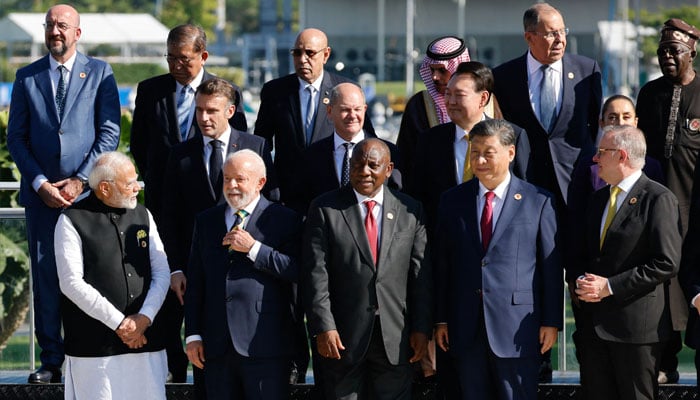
column 678, row 31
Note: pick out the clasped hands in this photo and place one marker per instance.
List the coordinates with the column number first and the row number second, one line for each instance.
column 60, row 194
column 131, row 330
column 592, row 288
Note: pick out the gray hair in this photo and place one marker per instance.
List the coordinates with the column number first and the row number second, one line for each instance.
column 532, row 15
column 631, row 140
column 494, row 127
column 252, row 157
column 106, row 167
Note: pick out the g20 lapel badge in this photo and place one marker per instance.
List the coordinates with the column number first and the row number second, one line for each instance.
column 633, row 200
column 694, row 124
column 570, row 75
column 389, row 216
column 141, row 236
column 326, row 100
column 518, row 196
column 83, row 75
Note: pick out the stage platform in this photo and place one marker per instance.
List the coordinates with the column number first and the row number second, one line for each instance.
column 564, row 387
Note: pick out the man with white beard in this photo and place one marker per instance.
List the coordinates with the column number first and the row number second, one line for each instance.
column 246, row 252
column 114, row 275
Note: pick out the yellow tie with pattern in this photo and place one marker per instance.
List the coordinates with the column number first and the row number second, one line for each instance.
column 467, row 173
column 612, row 209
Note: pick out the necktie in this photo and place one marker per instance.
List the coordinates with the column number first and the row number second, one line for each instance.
column 487, row 220
column 345, row 173
column 310, row 113
column 239, row 218
column 61, row 92
column 612, row 209
column 371, row 228
column 216, row 161
column 183, row 111
column 548, row 101
column 467, row 173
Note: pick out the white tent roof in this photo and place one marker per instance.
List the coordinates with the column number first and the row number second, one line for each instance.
column 96, row 29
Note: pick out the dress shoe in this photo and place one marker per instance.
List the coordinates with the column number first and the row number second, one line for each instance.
column 45, row 374
column 545, row 373
column 668, row 377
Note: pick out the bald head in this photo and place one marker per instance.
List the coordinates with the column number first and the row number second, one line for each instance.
column 346, row 110
column 370, row 166
column 310, row 54
column 62, row 31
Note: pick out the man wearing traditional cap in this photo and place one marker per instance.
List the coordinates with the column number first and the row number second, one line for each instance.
column 669, row 115
column 426, row 108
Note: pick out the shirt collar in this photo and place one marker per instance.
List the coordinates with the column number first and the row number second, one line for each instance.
column 500, row 190
column 224, row 138
column 194, row 84
column 338, row 141
column 626, row 184
column 316, row 84
column 249, row 208
column 53, row 64
column 460, row 132
column 379, row 197
column 533, row 66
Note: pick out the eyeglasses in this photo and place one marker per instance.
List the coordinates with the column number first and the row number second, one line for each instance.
column 602, row 151
column 180, row 60
column 129, row 185
column 62, row 26
column 309, row 53
column 553, row 34
column 671, row 51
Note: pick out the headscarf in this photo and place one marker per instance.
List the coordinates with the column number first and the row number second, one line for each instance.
column 449, row 51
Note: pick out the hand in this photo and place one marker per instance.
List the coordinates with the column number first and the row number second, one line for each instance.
column 136, row 343
column 133, row 327
column 441, row 337
column 195, row 353
column 178, row 284
column 238, row 240
column 329, row 345
column 592, row 288
column 51, row 196
column 70, row 188
column 419, row 344
column 548, row 336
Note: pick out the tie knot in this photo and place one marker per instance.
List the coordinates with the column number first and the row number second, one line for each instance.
column 614, row 191
column 242, row 213
column 185, row 89
column 216, row 144
column 61, row 68
column 311, row 89
column 544, row 68
column 489, row 195
column 348, row 145
column 370, row 205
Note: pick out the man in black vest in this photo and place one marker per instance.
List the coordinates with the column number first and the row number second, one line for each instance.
column 114, row 275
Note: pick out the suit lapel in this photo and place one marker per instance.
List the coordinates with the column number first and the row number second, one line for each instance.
column 43, row 81
column 294, row 105
column 511, row 206
column 567, row 94
column 447, row 143
column 80, row 73
column 255, row 218
column 630, row 204
column 353, row 218
column 321, row 122
column 390, row 214
column 470, row 192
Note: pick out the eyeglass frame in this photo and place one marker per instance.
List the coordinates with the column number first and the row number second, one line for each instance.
column 662, row 52
column 183, row 60
column 128, row 186
column 61, row 26
column 553, row 34
column 602, row 150
column 308, row 52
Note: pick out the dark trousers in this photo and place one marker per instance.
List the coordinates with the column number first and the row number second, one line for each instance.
column 41, row 222
column 373, row 377
column 618, row 371
column 668, row 361
column 170, row 316
column 235, row 377
column 483, row 375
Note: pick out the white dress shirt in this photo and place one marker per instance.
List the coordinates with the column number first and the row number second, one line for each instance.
column 535, row 76
column 497, row 202
column 304, row 96
column 339, row 150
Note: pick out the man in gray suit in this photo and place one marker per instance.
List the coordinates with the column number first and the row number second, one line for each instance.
column 367, row 289
column 64, row 113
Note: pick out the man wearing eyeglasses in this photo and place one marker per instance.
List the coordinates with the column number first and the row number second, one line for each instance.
column 556, row 98
column 289, row 107
column 669, row 115
column 64, row 113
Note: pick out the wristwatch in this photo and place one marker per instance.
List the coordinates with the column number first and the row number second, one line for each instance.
column 83, row 180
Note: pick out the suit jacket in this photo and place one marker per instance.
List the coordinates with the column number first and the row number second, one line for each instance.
column 640, row 254
column 41, row 144
column 320, row 176
column 434, row 169
column 554, row 153
column 155, row 130
column 517, row 280
column 279, row 118
column 343, row 288
column 190, row 191
column 231, row 299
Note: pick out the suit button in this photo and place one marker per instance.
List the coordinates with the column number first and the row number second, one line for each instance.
column 60, row 131
column 131, row 295
column 129, row 274
column 478, row 291
column 483, row 263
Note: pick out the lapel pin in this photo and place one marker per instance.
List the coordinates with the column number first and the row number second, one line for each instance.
column 326, row 101
column 570, row 75
column 83, row 75
column 633, row 200
column 518, row 196
column 389, row 216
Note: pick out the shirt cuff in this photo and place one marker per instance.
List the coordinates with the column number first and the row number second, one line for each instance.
column 192, row 338
column 36, row 183
column 253, row 253
column 177, row 271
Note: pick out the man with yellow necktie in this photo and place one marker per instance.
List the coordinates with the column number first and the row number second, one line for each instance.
column 629, row 249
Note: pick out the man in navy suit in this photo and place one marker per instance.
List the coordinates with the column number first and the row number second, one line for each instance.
column 238, row 303
column 64, row 113
column 292, row 116
column 164, row 115
column 498, row 273
column 192, row 189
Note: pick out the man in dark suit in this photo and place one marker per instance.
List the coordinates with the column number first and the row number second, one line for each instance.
column 238, row 303
column 498, row 273
column 194, row 181
column 443, row 150
column 560, row 113
column 64, row 113
column 289, row 107
column 326, row 163
column 629, row 250
column 367, row 282
column 164, row 110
